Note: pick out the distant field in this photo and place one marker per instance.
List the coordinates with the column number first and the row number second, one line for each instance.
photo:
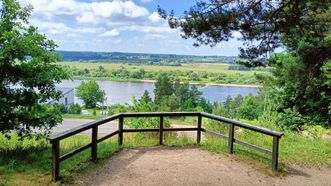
column 202, row 73
column 197, row 67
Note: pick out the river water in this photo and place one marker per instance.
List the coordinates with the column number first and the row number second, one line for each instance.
column 122, row 92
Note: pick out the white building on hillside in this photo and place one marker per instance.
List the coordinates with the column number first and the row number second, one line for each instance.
column 67, row 97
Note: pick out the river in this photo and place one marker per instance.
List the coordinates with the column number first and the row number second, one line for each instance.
column 122, row 92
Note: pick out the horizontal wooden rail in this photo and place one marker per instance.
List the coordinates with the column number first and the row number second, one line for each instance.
column 107, row 136
column 157, row 130
column 215, row 134
column 266, row 151
column 55, row 139
column 74, row 152
column 159, row 114
column 82, row 128
column 238, row 142
column 243, row 125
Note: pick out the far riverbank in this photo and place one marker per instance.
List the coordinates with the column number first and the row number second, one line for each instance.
column 153, row 81
column 210, row 84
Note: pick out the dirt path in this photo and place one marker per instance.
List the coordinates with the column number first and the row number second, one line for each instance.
column 192, row 166
column 190, row 134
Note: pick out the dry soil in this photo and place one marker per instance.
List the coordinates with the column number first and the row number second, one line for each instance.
column 192, row 166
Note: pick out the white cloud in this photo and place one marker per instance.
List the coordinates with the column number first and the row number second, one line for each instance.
column 160, row 30
column 237, row 34
column 110, row 33
column 61, row 28
column 71, row 17
column 54, row 8
column 115, row 11
column 87, row 13
column 155, row 18
column 54, row 28
column 108, row 25
column 87, row 18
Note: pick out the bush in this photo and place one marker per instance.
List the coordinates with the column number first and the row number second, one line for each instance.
column 249, row 108
column 75, row 109
column 290, row 119
column 116, row 108
column 61, row 108
column 317, row 131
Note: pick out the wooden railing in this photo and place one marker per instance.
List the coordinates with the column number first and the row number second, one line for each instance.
column 55, row 139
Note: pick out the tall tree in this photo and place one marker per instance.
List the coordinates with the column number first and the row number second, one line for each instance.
column 302, row 27
column 195, row 95
column 181, row 90
column 163, row 88
column 28, row 73
column 91, row 93
column 145, row 97
column 263, row 25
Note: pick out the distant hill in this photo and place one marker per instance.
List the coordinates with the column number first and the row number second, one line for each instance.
column 141, row 57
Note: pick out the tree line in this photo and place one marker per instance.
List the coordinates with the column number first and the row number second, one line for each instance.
column 141, row 74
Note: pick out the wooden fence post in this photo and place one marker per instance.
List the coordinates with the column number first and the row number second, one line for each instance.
column 161, row 131
column 94, row 147
column 120, row 131
column 275, row 152
column 231, row 139
column 55, row 160
column 199, row 129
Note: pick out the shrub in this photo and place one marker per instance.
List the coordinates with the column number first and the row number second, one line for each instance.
column 290, row 119
column 75, row 109
column 116, row 108
column 61, row 108
column 248, row 109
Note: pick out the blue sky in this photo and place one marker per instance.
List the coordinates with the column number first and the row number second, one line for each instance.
column 118, row 25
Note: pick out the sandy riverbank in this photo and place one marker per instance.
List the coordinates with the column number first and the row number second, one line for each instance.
column 210, row 84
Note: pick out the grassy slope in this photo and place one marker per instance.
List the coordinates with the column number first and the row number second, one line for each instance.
column 28, row 162
column 295, row 148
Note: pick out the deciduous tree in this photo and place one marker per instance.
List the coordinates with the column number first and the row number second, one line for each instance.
column 91, row 93
column 28, row 73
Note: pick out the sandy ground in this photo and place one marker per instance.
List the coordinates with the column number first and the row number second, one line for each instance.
column 210, row 84
column 191, row 134
column 192, row 166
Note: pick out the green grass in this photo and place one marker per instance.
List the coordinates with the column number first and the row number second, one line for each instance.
column 97, row 116
column 222, row 69
column 28, row 162
column 295, row 148
column 208, row 67
column 80, row 116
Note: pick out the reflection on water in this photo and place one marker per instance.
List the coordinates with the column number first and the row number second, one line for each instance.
column 121, row 92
